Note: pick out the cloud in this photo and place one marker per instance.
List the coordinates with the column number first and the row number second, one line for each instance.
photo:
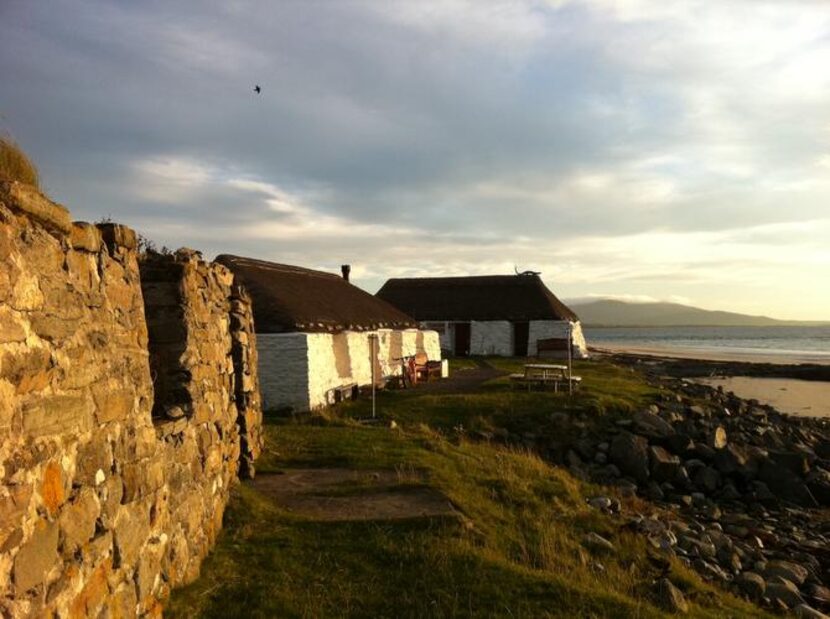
column 623, row 146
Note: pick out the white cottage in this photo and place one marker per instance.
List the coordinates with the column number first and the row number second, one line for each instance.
column 511, row 315
column 319, row 336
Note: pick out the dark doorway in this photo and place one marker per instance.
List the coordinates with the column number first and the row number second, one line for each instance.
column 521, row 333
column 462, row 339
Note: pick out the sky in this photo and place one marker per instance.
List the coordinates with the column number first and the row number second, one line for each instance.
column 629, row 149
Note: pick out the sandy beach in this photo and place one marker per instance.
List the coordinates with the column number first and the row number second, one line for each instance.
column 788, row 395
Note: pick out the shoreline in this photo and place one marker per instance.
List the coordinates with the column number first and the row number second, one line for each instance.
column 798, row 386
column 710, row 354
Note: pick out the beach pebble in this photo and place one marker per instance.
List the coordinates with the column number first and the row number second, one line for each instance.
column 784, row 591
column 802, row 611
column 786, row 569
column 751, row 585
column 600, row 502
column 670, row 597
column 597, row 543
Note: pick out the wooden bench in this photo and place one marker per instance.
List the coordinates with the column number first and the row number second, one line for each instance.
column 426, row 369
column 344, row 392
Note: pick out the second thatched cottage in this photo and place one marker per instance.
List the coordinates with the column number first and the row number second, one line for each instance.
column 512, row 315
column 319, row 336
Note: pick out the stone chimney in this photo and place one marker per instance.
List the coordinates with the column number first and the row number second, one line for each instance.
column 345, row 269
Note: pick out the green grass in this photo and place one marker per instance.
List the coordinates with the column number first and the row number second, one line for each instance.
column 607, row 390
column 15, row 165
column 514, row 551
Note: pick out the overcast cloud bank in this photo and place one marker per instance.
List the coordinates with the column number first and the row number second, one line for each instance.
column 669, row 150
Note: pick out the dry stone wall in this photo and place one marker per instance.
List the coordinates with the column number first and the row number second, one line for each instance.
column 112, row 492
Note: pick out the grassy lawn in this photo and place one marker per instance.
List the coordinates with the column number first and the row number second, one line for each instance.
column 514, row 550
column 606, row 389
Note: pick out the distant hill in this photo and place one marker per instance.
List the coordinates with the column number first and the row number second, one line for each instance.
column 611, row 313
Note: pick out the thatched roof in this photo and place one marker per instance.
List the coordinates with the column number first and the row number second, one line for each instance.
column 288, row 298
column 490, row 297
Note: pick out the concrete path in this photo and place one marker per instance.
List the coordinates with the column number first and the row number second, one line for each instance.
column 463, row 381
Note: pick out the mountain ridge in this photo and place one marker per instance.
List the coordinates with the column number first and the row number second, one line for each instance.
column 615, row 313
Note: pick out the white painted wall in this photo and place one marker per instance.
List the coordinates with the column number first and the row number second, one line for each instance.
column 544, row 329
column 322, row 369
column 444, row 331
column 491, row 337
column 579, row 342
column 496, row 337
column 299, row 370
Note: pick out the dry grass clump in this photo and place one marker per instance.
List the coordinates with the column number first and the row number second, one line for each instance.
column 15, row 165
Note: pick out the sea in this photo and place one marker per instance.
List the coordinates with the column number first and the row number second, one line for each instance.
column 813, row 342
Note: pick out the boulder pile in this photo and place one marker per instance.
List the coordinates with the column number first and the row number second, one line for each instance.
column 741, row 490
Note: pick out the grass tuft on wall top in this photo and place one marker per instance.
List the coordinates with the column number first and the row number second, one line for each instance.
column 15, row 165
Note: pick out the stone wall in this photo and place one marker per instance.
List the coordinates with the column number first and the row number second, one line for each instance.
column 283, row 370
column 112, row 494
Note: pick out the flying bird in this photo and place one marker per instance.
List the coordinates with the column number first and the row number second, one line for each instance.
column 257, row 89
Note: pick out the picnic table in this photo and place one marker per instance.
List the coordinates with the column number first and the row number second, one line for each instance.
column 544, row 374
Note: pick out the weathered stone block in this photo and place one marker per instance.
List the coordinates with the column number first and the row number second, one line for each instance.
column 123, row 602
column 177, row 557
column 29, row 201
column 77, row 521
column 94, row 457
column 142, row 478
column 130, row 531
column 117, row 236
column 98, row 549
column 92, row 597
column 58, row 414
column 149, row 569
column 8, row 404
column 53, row 327
column 29, row 369
column 83, row 275
column 26, row 292
column 6, row 282
column 13, row 505
column 85, row 237
column 135, row 443
column 12, row 326
column 52, row 490
column 37, row 556
column 112, row 402
column 121, row 294
column 110, row 494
